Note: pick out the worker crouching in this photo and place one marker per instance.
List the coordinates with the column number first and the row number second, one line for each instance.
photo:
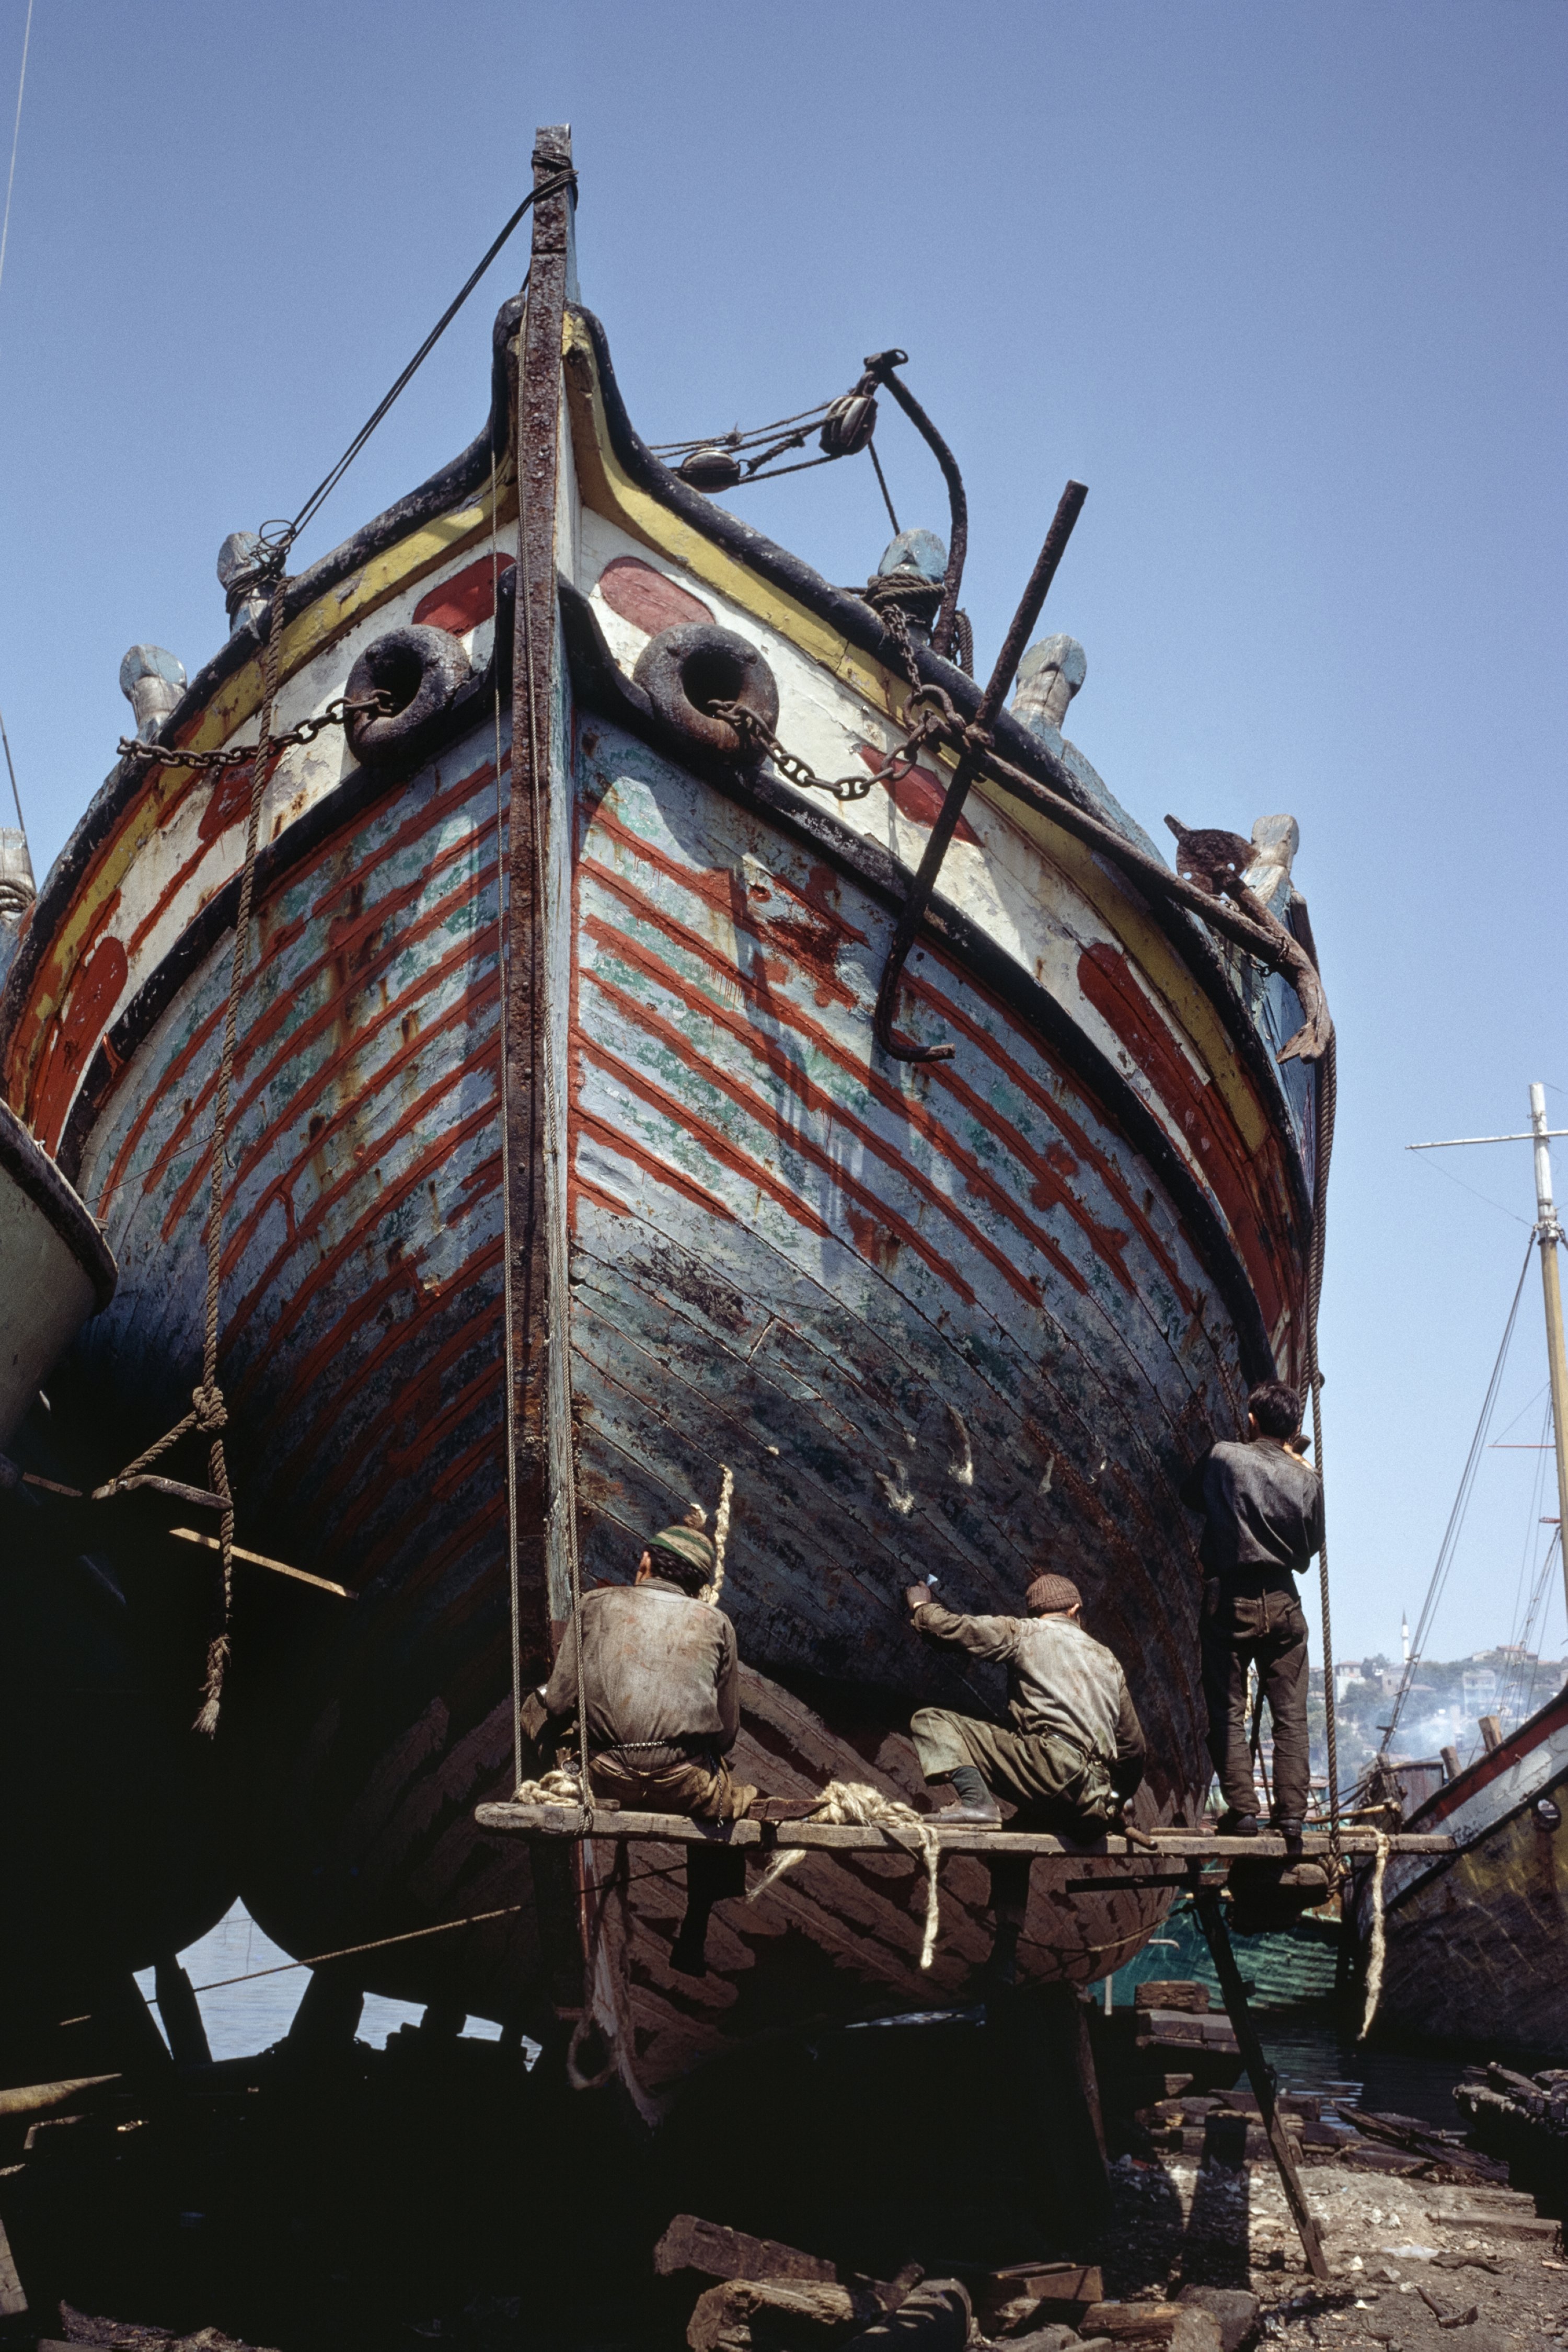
column 660, row 1681
column 1073, row 1753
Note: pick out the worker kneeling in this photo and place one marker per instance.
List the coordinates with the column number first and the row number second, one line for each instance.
column 661, row 1680
column 1074, row 1753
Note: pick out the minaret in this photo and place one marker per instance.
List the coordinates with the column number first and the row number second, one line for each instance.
column 1405, row 1637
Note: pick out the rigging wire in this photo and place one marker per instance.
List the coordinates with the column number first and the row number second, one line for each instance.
column 331, row 479
column 4, row 240
column 1461, row 1505
column 16, row 137
column 1487, row 1197
column 11, row 771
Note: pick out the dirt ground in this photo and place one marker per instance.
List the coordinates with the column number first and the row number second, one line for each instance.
column 1396, row 2248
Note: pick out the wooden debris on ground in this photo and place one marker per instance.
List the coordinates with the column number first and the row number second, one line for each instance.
column 714, row 2251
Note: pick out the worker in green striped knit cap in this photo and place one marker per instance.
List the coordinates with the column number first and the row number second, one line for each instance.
column 660, row 1678
column 661, row 1673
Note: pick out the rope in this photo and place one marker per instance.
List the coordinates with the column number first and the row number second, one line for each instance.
column 557, row 1788
column 1461, row 1502
column 1325, row 1099
column 721, row 1535
column 514, row 1582
column 855, row 1804
column 208, row 1411
column 1374, row 1959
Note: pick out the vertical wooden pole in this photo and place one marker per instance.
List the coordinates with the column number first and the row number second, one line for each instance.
column 534, row 690
column 1212, row 1916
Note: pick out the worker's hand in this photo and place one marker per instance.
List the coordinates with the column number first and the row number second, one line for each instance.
column 914, row 1594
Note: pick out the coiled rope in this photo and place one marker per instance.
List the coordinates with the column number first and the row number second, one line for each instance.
column 855, row 1804
column 1374, row 1956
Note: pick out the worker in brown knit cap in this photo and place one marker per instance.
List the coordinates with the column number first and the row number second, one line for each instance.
column 662, row 1676
column 1074, row 1752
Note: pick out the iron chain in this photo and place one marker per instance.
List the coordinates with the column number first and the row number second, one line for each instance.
column 337, row 714
column 937, row 725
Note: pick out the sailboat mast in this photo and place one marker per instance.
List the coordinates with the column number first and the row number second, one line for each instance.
column 1548, row 1233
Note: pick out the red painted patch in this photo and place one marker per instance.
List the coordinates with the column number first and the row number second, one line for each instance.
column 92, row 999
column 918, row 794
column 1236, row 1181
column 227, row 803
column 461, row 602
column 647, row 599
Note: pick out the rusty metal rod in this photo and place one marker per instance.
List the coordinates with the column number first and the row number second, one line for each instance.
column 881, row 365
column 977, row 745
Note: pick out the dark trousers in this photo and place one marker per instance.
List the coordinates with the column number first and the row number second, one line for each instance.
column 1245, row 1623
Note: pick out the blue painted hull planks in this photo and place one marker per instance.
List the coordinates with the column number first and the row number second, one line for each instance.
column 946, row 1320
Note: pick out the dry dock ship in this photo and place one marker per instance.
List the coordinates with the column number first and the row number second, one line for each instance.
column 548, row 950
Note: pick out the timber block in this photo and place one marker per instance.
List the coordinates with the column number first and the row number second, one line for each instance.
column 1171, row 1993
column 1031, row 2293
column 1535, row 2228
column 716, row 2252
column 1185, row 2327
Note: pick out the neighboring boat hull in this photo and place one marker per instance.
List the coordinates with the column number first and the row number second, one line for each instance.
column 55, row 1270
column 1475, row 1947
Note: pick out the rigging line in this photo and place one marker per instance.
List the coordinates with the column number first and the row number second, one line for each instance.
column 735, row 438
column 1477, row 1196
column 1461, row 1503
column 15, row 136
column 883, row 485
column 11, row 771
column 330, row 481
column 1519, row 1416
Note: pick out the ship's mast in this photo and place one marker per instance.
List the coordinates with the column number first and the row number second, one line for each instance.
column 1548, row 1233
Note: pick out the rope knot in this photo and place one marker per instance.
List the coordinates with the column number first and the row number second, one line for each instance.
column 211, row 1413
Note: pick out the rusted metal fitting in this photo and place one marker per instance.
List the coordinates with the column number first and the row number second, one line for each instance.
column 417, row 671
column 687, row 672
column 711, row 468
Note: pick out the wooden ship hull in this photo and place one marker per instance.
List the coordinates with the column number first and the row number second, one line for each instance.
column 946, row 1319
column 1475, row 1944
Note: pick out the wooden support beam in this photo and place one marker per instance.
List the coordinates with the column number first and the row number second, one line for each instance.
column 1211, row 1918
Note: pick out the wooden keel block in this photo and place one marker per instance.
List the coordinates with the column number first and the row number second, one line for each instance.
column 1185, row 2326
column 1171, row 1993
column 754, row 2315
column 713, row 2252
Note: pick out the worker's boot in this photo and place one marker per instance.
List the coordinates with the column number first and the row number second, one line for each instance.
column 1287, row 1826
column 976, row 1803
column 1234, row 1824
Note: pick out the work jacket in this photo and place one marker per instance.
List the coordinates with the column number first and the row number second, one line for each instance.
column 1061, row 1683
column 1263, row 1509
column 658, row 1666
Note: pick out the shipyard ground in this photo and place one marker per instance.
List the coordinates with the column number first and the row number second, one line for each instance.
column 438, row 2193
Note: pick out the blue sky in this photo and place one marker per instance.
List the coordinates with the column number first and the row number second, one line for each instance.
column 1282, row 283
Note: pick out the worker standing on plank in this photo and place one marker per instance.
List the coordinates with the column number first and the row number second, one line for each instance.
column 662, row 1679
column 1263, row 1508
column 1074, row 1752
